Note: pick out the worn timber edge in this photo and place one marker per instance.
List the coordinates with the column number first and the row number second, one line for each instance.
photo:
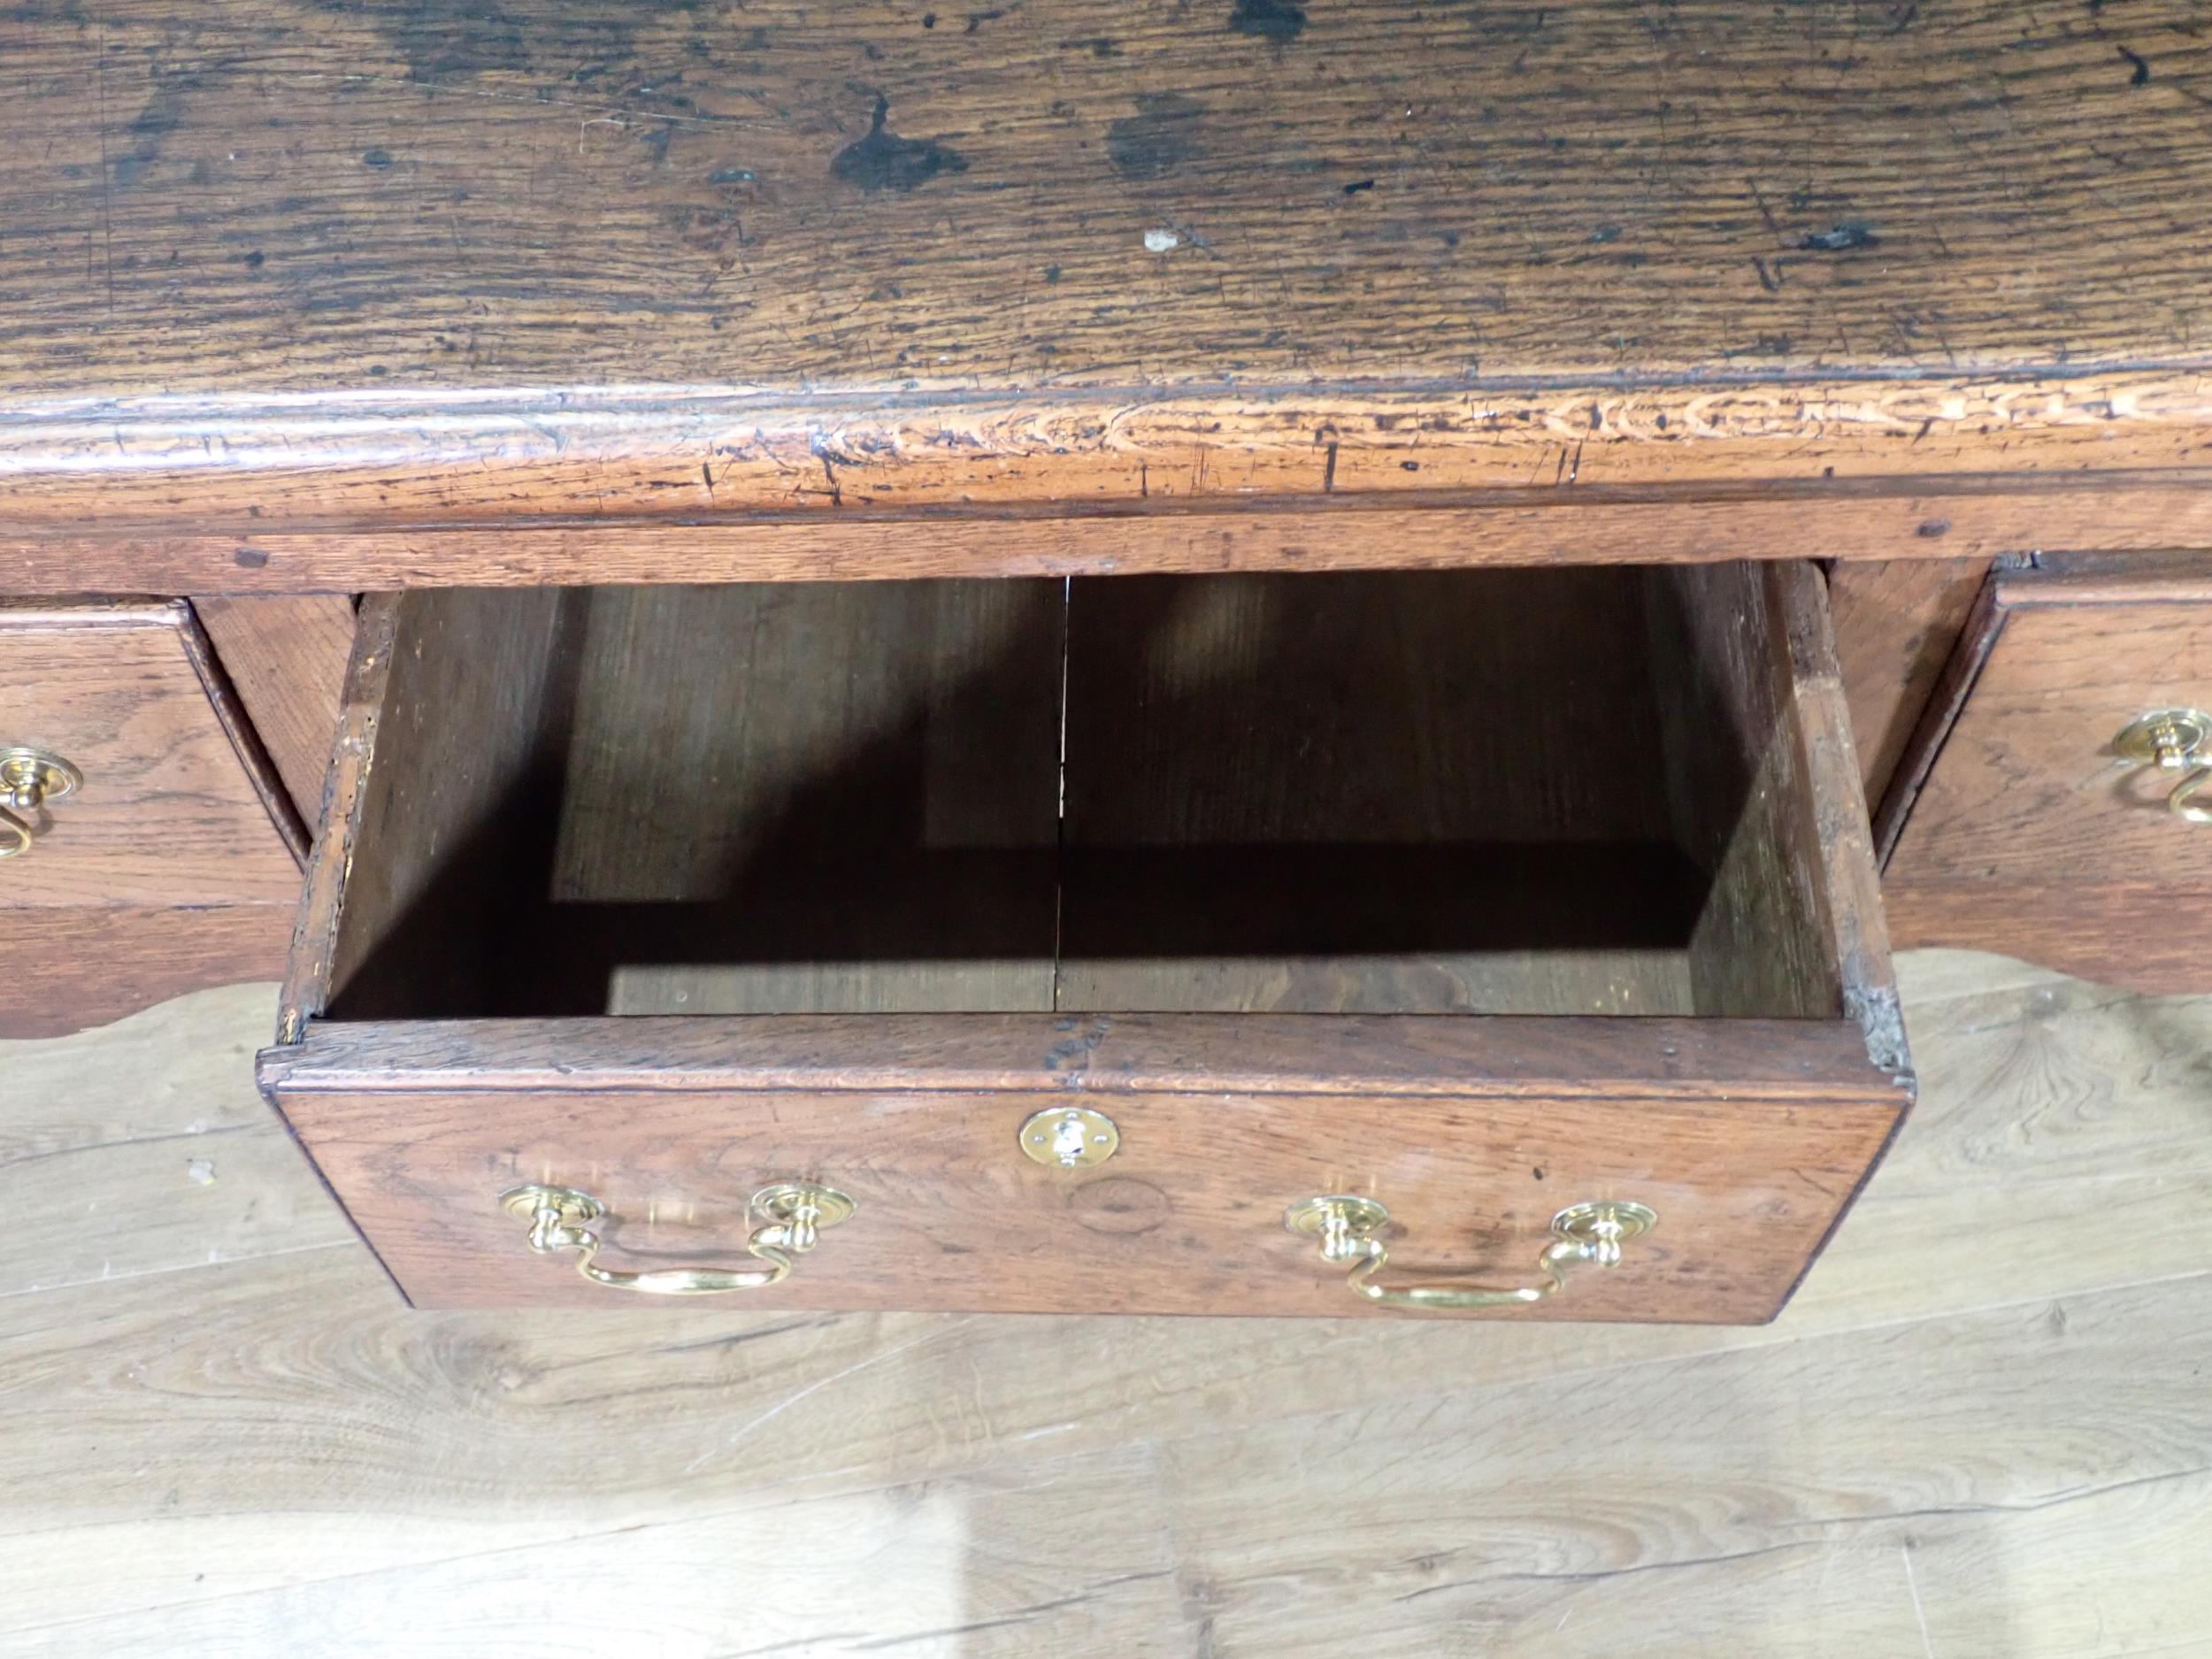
column 1850, row 891
column 1892, row 519
column 506, row 455
column 322, row 898
column 1807, row 1062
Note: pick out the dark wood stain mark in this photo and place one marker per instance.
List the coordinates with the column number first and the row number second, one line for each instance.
column 1162, row 136
column 1277, row 20
column 2141, row 77
column 159, row 116
column 884, row 161
column 1840, row 239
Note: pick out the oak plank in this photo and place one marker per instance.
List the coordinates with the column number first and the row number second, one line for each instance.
column 98, row 964
column 1896, row 622
column 1884, row 518
column 826, row 797
column 1334, row 793
column 1187, row 1217
column 286, row 657
column 275, row 237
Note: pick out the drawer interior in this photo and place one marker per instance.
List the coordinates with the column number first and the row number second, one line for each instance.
column 1563, row 791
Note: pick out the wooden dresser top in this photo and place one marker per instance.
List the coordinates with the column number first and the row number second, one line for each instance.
column 399, row 258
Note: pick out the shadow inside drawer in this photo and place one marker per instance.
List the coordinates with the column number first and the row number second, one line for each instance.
column 1417, row 792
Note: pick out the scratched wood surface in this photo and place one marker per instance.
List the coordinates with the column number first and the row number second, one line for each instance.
column 224, row 1437
column 414, row 258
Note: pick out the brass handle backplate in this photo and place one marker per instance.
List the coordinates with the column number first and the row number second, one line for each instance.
column 2174, row 739
column 562, row 1218
column 1350, row 1228
column 30, row 781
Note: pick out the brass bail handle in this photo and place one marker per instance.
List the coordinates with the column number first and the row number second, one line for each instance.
column 30, row 780
column 562, row 1218
column 1350, row 1229
column 2174, row 739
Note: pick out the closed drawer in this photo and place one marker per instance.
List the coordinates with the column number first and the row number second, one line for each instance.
column 1471, row 897
column 2022, row 824
column 158, row 854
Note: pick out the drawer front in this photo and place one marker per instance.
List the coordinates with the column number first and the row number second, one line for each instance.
column 2029, row 831
column 171, row 863
column 167, row 813
column 1186, row 1214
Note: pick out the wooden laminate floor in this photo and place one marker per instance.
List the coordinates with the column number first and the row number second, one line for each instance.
column 1983, row 1428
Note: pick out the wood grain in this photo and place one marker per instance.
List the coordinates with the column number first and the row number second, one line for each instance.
column 458, row 793
column 1329, row 794
column 2029, row 832
column 1896, row 623
column 278, row 252
column 271, row 1453
column 1185, row 1218
column 143, row 1147
column 617, row 764
column 812, row 799
column 286, row 658
column 96, row 963
column 1368, row 1054
column 1222, row 1118
column 1891, row 518
column 857, row 811
column 1561, row 1560
column 174, row 866
column 169, row 812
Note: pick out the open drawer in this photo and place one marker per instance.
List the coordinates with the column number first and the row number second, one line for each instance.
column 1075, row 935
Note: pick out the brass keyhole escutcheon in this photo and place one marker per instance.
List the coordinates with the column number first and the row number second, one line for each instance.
column 31, row 780
column 1069, row 1137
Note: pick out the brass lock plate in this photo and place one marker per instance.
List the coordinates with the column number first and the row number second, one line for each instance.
column 1069, row 1138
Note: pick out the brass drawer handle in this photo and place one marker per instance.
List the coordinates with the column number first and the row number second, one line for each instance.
column 1348, row 1227
column 30, row 778
column 2174, row 739
column 560, row 1219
